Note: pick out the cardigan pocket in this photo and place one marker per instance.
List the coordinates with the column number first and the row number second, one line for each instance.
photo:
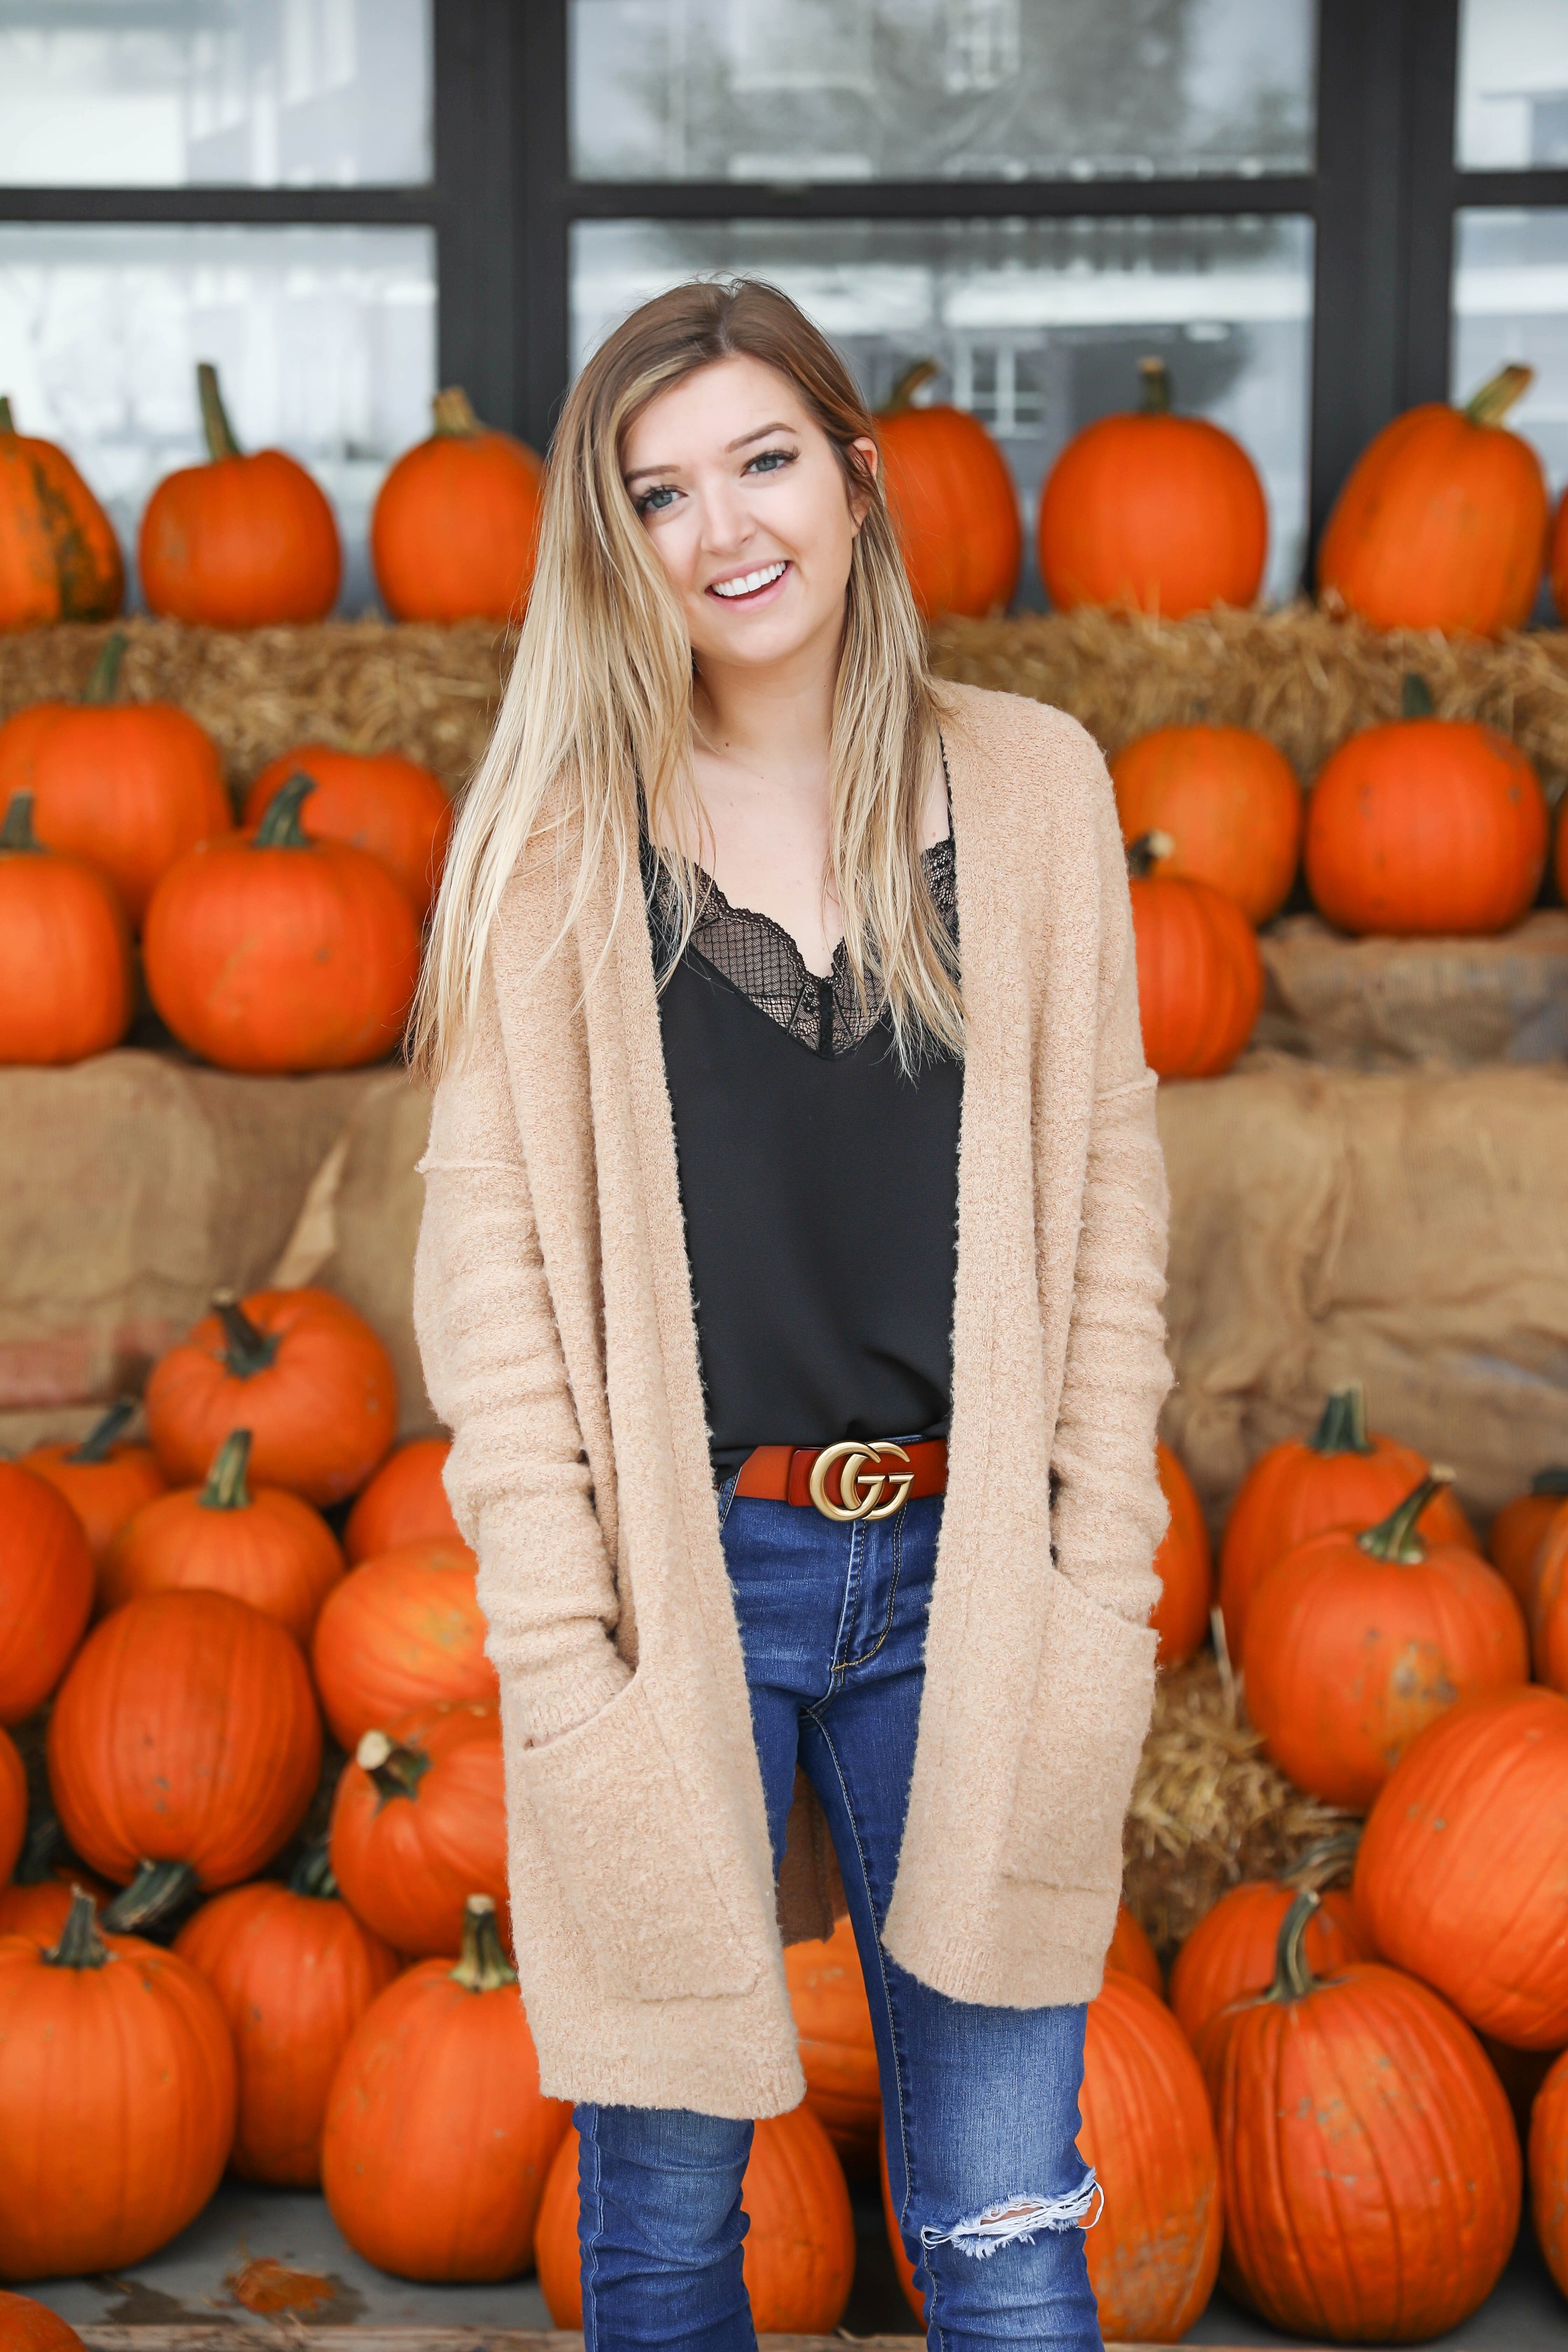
column 622, row 1835
column 1086, row 1731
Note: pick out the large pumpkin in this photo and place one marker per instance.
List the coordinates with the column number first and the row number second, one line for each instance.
column 240, row 542
column 398, row 1633
column 1200, row 976
column 1461, row 1877
column 66, row 986
column 1356, row 1643
column 1341, row 1476
column 419, row 1825
column 293, row 1971
column 1441, row 523
column 375, row 801
column 838, row 2049
column 28, row 2327
column 404, row 1503
column 1185, row 1566
column 38, row 1908
column 1518, row 1532
column 1133, row 1955
column 105, row 1478
column 1229, row 802
column 46, row 1589
column 454, row 530
column 269, row 951
column 268, row 1546
column 1549, row 2170
column 1231, row 1953
column 437, row 2140
column 13, row 1805
column 953, row 502
column 1162, row 512
column 183, row 1746
column 117, row 2082
column 798, row 2255
column 299, row 1369
column 1425, row 827
column 59, row 559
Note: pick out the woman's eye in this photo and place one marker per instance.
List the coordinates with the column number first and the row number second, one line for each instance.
column 771, row 460
column 655, row 500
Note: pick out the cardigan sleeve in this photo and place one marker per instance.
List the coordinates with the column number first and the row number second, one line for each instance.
column 1110, row 1513
column 518, row 1475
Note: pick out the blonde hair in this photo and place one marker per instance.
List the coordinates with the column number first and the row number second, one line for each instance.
column 599, row 701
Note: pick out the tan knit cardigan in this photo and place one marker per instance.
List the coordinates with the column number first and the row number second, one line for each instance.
column 553, row 1307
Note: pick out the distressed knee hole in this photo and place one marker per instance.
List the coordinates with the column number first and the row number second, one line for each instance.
column 1018, row 2218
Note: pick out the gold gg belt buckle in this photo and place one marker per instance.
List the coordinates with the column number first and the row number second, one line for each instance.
column 859, row 1480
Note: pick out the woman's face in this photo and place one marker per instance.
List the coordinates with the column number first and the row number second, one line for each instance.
column 745, row 502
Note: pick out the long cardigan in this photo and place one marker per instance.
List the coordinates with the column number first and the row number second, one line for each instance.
column 553, row 1307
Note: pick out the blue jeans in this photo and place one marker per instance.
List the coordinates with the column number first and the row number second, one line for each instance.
column 980, row 2105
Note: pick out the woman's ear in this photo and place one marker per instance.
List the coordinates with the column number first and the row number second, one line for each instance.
column 869, row 454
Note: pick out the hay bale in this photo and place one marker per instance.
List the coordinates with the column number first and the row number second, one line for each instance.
column 1389, row 1004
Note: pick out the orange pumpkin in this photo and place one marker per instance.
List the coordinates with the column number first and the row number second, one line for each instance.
column 404, row 1502
column 299, row 1369
column 104, row 1478
column 419, row 1824
column 59, row 559
column 838, row 2049
column 28, row 2327
column 1557, row 557
column 1549, row 2170
column 13, row 1805
column 269, row 951
column 1441, row 523
column 240, row 542
column 38, row 1908
column 952, row 502
column 1341, row 1477
column 1132, row 1954
column 97, row 2032
column 1228, row 800
column 455, row 526
column 1547, row 1606
column 45, row 1589
column 1200, row 976
column 183, row 1746
column 798, row 2257
column 1518, row 1532
column 1161, row 512
column 293, row 1971
column 66, row 987
column 1230, row 1954
column 1425, row 827
column 437, row 2140
column 401, row 1632
column 1185, row 1566
column 270, row 1547
column 378, row 801
column 1460, row 1879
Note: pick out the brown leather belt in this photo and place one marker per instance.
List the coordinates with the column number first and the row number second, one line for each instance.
column 858, row 1478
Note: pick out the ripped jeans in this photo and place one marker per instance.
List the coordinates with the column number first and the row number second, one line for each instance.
column 980, row 2105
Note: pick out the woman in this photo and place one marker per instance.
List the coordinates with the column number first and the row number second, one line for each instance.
column 790, row 1279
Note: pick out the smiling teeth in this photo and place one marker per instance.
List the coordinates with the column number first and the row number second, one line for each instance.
column 752, row 583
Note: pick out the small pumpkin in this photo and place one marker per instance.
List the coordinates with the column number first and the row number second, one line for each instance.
column 404, row 1503
column 299, row 1369
column 1518, row 1532
column 269, row 951
column 377, row 801
column 1161, row 512
column 1231, row 1953
column 66, row 986
column 837, row 2048
column 1546, row 1607
column 1425, row 827
column 293, row 1971
column 1549, row 2170
column 1200, row 976
column 419, row 1824
column 59, row 559
column 105, row 1478
column 94, row 2033
column 268, row 1546
column 1229, row 802
column 240, row 542
column 454, row 531
column 28, row 2327
column 1441, row 523
column 45, row 1589
column 1185, row 1566
column 1133, row 1955
column 13, row 1805
column 953, row 502
column 400, row 1632
column 437, row 2140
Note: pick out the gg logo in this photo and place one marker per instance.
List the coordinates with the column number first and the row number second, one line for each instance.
column 860, row 1489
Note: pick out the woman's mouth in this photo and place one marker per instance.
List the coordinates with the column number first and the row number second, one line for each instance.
column 750, row 587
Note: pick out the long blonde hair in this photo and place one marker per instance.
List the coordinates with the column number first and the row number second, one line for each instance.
column 599, row 701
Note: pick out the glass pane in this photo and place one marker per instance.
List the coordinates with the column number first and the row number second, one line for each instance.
column 254, row 93
column 1513, row 84
column 872, row 89
column 324, row 340
column 1510, row 302
column 1039, row 324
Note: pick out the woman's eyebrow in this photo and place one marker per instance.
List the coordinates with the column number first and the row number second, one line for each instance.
column 760, row 433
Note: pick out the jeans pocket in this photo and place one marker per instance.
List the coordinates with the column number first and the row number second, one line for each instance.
column 1086, row 1732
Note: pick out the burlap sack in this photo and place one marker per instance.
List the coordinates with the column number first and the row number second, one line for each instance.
column 1387, row 1005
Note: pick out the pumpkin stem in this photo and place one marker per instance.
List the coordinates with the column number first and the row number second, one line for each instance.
column 104, row 684
column 902, row 398
column 1321, row 1863
column 1395, row 1537
column 250, row 1351
column 1550, row 1482
column 396, row 1769
column 226, row 1489
column 312, row 1873
column 45, row 1840
column 158, row 1888
column 99, row 1442
column 1499, row 394
column 1157, row 391
column 454, row 413
column 219, row 431
column 1342, row 1429
column 17, row 831
column 80, row 1945
column 1293, row 1980
column 1416, row 697
column 1144, row 853
column 7, row 421
column 483, row 1967
column 280, row 827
